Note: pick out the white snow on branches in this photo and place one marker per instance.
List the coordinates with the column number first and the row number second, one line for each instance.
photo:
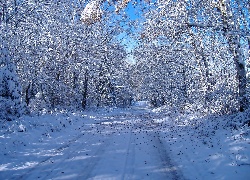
column 92, row 12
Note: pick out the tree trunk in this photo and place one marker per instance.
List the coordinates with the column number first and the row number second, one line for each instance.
column 27, row 98
column 85, row 89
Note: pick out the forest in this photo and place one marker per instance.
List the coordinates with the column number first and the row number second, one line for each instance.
column 188, row 57
column 189, row 54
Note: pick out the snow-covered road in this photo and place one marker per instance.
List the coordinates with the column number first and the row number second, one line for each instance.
column 120, row 147
column 136, row 143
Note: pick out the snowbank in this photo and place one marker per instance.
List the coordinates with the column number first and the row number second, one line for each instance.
column 209, row 148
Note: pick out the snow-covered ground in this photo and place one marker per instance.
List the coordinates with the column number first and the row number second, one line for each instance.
column 209, row 148
column 136, row 143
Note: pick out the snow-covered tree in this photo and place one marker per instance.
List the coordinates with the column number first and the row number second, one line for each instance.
column 60, row 61
column 183, row 32
column 233, row 33
column 10, row 91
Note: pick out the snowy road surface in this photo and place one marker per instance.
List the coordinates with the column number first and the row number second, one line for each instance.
column 124, row 146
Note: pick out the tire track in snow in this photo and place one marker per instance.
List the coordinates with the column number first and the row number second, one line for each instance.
column 128, row 171
column 91, row 163
column 170, row 169
column 155, row 150
column 70, row 154
column 60, row 149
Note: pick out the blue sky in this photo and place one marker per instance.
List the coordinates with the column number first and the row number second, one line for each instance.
column 129, row 42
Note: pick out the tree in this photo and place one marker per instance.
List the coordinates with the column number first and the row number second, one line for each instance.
column 10, row 90
column 187, row 34
column 60, row 61
column 231, row 30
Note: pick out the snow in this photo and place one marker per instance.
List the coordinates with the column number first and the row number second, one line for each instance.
column 141, row 104
column 92, row 12
column 136, row 143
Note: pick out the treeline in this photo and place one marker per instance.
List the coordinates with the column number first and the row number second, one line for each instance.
column 192, row 55
column 50, row 59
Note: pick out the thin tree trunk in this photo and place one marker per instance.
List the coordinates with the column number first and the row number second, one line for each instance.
column 85, row 90
column 27, row 98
